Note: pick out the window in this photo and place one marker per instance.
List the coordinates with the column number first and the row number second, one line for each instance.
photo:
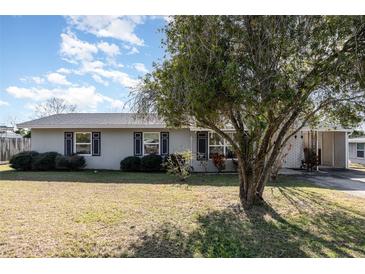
column 151, row 143
column 360, row 150
column 83, row 143
column 219, row 145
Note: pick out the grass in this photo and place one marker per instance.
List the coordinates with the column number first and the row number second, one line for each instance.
column 357, row 166
column 59, row 214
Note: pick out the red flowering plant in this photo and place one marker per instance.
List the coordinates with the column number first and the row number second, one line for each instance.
column 219, row 161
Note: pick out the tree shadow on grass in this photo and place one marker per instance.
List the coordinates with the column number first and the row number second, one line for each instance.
column 259, row 232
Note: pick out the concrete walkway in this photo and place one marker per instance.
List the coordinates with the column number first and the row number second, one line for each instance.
column 349, row 181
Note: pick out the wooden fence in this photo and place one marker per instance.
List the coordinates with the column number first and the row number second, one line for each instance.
column 11, row 146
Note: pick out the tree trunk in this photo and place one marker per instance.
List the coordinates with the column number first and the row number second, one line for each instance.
column 252, row 185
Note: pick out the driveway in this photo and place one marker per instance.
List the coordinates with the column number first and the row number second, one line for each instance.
column 347, row 180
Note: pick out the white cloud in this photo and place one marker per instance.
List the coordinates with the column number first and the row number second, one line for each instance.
column 115, row 104
column 140, row 67
column 131, row 49
column 134, row 50
column 36, row 94
column 117, row 27
column 38, row 80
column 109, row 49
column 74, row 50
column 59, row 79
column 33, row 79
column 3, row 103
column 64, row 71
column 86, row 97
column 82, row 53
column 100, row 80
column 97, row 68
column 118, row 76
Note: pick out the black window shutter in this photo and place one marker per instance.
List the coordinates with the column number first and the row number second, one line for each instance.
column 69, row 143
column 202, row 145
column 137, row 144
column 96, row 143
column 164, row 143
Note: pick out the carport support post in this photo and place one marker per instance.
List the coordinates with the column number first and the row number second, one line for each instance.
column 346, row 150
column 317, row 148
column 333, row 149
column 191, row 148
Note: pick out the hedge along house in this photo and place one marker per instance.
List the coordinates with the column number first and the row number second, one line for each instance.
column 357, row 150
column 107, row 138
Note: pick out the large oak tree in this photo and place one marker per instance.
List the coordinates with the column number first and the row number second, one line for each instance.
column 267, row 76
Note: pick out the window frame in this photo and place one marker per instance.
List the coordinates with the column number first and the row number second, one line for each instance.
column 159, row 142
column 362, row 150
column 76, row 143
column 224, row 145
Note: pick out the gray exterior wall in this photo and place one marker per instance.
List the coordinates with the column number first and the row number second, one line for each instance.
column 353, row 154
column 116, row 144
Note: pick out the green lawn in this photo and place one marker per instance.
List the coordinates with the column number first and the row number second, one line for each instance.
column 116, row 214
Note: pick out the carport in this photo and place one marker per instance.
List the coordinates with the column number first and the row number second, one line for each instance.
column 330, row 146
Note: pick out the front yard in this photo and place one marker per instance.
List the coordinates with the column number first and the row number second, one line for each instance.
column 115, row 214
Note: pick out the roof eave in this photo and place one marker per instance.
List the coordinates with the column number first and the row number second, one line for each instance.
column 25, row 125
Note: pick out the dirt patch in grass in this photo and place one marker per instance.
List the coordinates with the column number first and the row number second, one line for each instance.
column 203, row 218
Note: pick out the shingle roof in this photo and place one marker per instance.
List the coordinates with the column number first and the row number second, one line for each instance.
column 95, row 120
column 9, row 134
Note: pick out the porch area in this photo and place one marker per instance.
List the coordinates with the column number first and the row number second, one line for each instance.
column 324, row 149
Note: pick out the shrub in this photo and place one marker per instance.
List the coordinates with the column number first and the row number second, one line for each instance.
column 62, row 162
column 151, row 162
column 179, row 164
column 23, row 160
column 77, row 162
column 131, row 163
column 219, row 161
column 73, row 162
column 45, row 161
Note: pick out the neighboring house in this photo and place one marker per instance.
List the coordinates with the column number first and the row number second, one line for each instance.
column 8, row 132
column 107, row 138
column 357, row 150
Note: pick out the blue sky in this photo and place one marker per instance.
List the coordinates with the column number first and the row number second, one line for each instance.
column 90, row 61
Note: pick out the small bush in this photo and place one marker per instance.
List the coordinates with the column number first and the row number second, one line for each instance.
column 62, row 162
column 45, row 161
column 77, row 162
column 151, row 162
column 73, row 162
column 131, row 163
column 179, row 164
column 219, row 161
column 23, row 160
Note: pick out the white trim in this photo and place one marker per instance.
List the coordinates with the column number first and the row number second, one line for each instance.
column 159, row 141
column 363, row 150
column 75, row 143
column 224, row 145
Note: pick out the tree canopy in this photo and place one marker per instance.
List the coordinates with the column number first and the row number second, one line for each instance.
column 53, row 106
column 267, row 76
